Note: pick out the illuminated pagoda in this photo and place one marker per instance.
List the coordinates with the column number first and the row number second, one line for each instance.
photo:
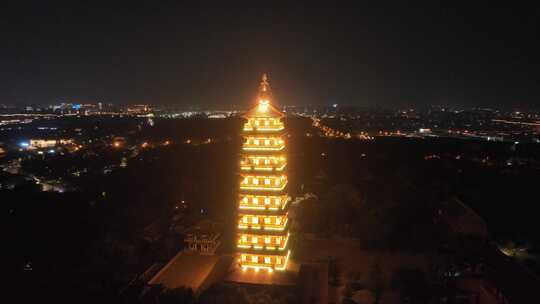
column 263, row 225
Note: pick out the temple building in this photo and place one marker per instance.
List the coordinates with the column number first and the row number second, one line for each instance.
column 203, row 238
column 263, row 225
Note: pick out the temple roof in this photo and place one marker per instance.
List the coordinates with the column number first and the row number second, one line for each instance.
column 264, row 107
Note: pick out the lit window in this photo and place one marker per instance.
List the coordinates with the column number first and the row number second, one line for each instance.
column 243, row 258
column 278, row 220
column 267, row 220
column 254, row 240
column 267, row 260
column 267, row 240
column 256, row 122
column 244, row 238
column 278, row 260
column 245, row 219
column 254, row 258
column 245, row 199
column 266, row 142
column 266, row 201
column 256, row 142
column 255, row 220
column 276, row 182
column 278, row 240
column 256, row 181
column 255, row 201
column 267, row 181
column 256, row 161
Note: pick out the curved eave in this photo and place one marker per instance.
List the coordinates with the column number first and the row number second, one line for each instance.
column 264, row 232
column 256, row 132
column 265, row 191
column 264, row 251
column 263, row 152
column 254, row 171
column 271, row 113
column 269, row 212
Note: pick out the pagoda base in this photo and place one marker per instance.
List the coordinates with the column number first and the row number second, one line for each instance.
column 240, row 275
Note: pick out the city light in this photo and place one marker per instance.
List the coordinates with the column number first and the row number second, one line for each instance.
column 394, row 159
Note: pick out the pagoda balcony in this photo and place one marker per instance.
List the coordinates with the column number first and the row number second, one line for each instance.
column 264, row 183
column 257, row 143
column 263, row 163
column 260, row 242
column 256, row 202
column 263, row 222
column 268, row 261
column 264, row 125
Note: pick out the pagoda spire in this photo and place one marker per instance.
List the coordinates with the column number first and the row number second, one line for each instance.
column 264, row 88
column 263, row 104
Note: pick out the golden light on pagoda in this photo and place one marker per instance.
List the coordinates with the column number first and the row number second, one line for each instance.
column 263, row 105
column 263, row 219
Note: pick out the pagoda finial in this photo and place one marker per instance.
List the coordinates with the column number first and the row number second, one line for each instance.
column 264, row 86
column 264, row 101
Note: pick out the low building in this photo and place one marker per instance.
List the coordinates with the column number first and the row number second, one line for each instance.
column 203, row 238
column 139, row 109
column 192, row 270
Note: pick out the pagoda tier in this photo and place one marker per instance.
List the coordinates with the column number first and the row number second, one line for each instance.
column 267, row 143
column 264, row 183
column 263, row 125
column 265, row 261
column 263, row 203
column 263, row 222
column 269, row 244
column 262, row 163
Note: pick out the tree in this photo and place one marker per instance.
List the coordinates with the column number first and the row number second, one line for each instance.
column 376, row 281
column 411, row 285
column 343, row 205
column 334, row 271
column 182, row 295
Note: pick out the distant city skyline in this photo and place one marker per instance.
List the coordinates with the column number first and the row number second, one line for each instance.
column 209, row 57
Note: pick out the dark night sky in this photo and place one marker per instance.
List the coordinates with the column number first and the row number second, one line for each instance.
column 211, row 56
